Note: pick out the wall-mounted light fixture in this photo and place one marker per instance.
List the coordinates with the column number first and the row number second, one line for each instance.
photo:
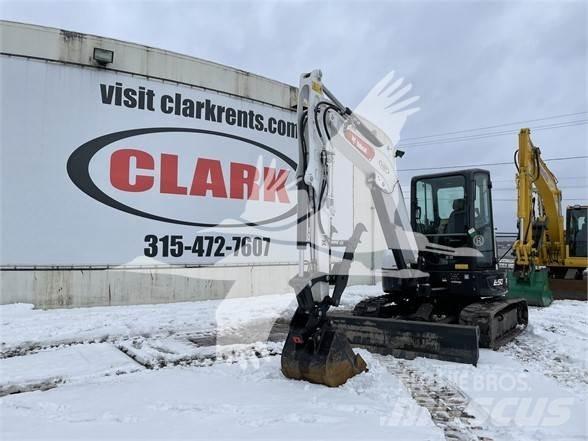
column 103, row 56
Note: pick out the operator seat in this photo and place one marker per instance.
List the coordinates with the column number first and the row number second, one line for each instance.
column 456, row 222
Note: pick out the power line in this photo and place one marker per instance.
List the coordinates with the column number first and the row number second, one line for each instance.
column 406, row 184
column 560, row 187
column 496, row 126
column 488, row 164
column 474, row 136
column 493, row 134
column 558, row 179
column 514, row 200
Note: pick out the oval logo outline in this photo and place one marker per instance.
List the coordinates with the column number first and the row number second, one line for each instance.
column 78, row 170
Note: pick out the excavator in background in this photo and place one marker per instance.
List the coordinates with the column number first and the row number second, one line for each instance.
column 550, row 259
column 444, row 295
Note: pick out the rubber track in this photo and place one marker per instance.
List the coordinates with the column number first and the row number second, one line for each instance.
column 493, row 313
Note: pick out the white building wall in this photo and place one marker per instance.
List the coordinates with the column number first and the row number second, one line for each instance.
column 62, row 287
column 72, row 47
column 109, row 287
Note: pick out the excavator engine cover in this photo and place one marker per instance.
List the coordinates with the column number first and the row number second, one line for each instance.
column 323, row 357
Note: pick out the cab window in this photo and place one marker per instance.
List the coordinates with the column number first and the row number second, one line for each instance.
column 483, row 237
column 482, row 202
column 577, row 231
column 440, row 206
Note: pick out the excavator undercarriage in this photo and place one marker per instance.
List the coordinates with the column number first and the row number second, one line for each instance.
column 386, row 326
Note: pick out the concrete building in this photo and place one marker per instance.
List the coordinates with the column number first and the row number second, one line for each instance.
column 77, row 232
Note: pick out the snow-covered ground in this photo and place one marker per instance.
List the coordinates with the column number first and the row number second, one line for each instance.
column 556, row 343
column 24, row 328
column 512, row 401
column 206, row 370
column 224, row 401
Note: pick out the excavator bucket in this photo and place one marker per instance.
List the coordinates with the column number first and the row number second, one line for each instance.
column 325, row 357
column 534, row 289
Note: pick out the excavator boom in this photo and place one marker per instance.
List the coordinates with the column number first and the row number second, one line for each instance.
column 544, row 251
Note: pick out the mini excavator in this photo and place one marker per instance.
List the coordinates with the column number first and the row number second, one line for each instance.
column 444, row 297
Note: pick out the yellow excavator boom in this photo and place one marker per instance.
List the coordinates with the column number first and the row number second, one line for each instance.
column 545, row 245
column 542, row 250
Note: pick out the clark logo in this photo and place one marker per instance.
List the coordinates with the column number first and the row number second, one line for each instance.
column 208, row 178
column 187, row 176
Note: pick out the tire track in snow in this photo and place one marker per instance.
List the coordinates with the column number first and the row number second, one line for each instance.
column 547, row 360
column 444, row 401
column 555, row 344
column 256, row 330
column 29, row 348
column 51, row 368
column 155, row 354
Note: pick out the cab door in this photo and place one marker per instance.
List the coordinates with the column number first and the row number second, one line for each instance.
column 576, row 231
column 482, row 232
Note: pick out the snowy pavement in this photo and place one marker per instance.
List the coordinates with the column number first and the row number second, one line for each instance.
column 556, row 344
column 47, row 369
column 209, row 370
column 226, row 401
column 510, row 401
column 25, row 329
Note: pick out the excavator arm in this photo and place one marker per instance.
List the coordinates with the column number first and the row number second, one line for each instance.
column 542, row 249
column 541, row 239
column 314, row 350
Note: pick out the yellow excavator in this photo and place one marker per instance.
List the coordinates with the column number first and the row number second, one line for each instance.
column 550, row 259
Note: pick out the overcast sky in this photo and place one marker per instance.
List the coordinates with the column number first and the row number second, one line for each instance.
column 474, row 64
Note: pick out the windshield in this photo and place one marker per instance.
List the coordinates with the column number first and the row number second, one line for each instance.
column 450, row 215
column 441, row 209
column 578, row 231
